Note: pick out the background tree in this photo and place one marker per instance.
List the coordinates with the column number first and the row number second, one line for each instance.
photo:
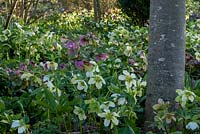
column 97, row 10
column 137, row 10
column 166, row 61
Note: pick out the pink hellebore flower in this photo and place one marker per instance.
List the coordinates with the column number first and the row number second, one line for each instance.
column 72, row 47
column 131, row 61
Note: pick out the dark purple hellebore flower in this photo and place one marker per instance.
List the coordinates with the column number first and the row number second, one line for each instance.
column 23, row 66
column 32, row 63
column 63, row 66
column 79, row 64
column 8, row 71
column 83, row 40
column 18, row 71
column 102, row 56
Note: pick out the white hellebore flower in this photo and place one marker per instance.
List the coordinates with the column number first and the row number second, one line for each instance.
column 97, row 80
column 128, row 78
column 109, row 118
column 95, row 68
column 52, row 65
column 117, row 62
column 120, row 100
column 74, row 80
column 184, row 96
column 26, row 76
column 21, row 127
column 106, row 105
column 80, row 112
column 192, row 126
column 89, row 73
column 128, row 51
column 48, row 82
column 82, row 85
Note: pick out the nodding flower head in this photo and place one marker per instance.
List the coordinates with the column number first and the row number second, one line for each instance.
column 102, row 56
column 71, row 45
column 79, row 64
column 83, row 40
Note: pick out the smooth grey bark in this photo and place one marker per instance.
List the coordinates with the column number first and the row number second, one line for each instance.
column 166, row 59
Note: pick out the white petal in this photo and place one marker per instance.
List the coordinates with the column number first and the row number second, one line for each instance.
column 99, row 85
column 21, row 129
column 191, row 98
column 74, row 80
column 85, row 88
column 116, row 114
column 184, row 98
column 133, row 75
column 89, row 74
column 134, row 83
column 97, row 69
column 122, row 77
column 15, row 124
column 79, row 86
column 111, row 104
column 50, row 84
column 115, row 121
column 91, row 81
column 107, row 110
column 125, row 72
column 103, row 81
column 192, row 126
column 102, row 115
column 115, row 95
column 106, row 122
column 121, row 101
column 144, row 83
column 128, row 84
column 45, row 78
column 103, row 106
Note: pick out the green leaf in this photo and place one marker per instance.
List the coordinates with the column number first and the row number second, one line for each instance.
column 126, row 130
column 2, row 105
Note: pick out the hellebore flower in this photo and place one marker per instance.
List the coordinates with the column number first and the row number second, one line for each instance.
column 72, row 47
column 107, row 105
column 129, row 79
column 20, row 125
column 192, row 126
column 82, row 85
column 63, row 66
column 102, row 56
column 97, row 80
column 184, row 96
column 79, row 64
column 80, row 112
column 83, row 40
column 110, row 118
column 128, row 51
column 48, row 82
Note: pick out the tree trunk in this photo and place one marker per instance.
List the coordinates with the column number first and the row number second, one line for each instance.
column 11, row 14
column 97, row 10
column 166, row 61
